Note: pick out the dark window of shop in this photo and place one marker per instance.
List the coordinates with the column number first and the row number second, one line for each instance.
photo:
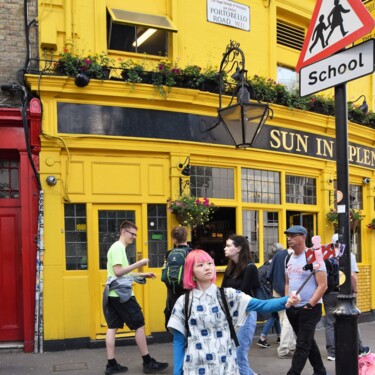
column 212, row 236
column 109, row 232
column 212, row 182
column 157, row 234
column 301, row 190
column 75, row 237
column 260, row 186
column 9, row 180
column 270, row 233
column 138, row 32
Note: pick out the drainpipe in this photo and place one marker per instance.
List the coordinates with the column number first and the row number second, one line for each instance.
column 68, row 25
column 39, row 323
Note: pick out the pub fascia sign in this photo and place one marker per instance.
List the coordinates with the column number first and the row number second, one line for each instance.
column 308, row 144
column 229, row 13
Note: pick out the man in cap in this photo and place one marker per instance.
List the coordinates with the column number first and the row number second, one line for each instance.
column 304, row 316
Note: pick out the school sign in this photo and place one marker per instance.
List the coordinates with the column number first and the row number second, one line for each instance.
column 346, row 66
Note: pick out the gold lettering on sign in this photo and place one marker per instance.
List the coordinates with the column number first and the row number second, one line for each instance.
column 275, row 137
column 293, row 141
column 352, row 151
column 324, row 147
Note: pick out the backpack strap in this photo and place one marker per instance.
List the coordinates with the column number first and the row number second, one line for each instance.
column 187, row 311
column 306, row 267
column 287, row 259
column 229, row 317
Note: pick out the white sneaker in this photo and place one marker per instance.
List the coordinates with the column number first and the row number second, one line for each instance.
column 331, row 358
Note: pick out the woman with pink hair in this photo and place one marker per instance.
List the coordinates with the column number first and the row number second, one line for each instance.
column 202, row 342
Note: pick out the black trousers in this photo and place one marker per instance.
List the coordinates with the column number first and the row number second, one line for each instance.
column 304, row 322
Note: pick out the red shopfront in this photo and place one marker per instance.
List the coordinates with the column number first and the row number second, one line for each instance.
column 19, row 193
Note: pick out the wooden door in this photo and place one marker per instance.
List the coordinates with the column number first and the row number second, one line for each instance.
column 11, row 320
column 106, row 221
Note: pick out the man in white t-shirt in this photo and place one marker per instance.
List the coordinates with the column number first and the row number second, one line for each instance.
column 305, row 316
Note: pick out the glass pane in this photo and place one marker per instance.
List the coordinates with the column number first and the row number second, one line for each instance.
column 157, row 234
column 14, row 179
column 271, row 233
column 9, row 179
column 75, row 236
column 300, row 190
column 109, row 227
column 250, row 226
column 288, row 77
column 260, row 186
column 212, row 182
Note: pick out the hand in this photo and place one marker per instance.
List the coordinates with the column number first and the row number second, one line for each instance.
column 148, row 275
column 293, row 299
column 143, row 262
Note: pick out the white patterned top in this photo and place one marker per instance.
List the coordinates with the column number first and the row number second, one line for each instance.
column 210, row 348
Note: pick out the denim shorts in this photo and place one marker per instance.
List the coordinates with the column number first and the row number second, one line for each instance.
column 120, row 313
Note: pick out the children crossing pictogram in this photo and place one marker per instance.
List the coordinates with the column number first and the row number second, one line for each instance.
column 334, row 25
column 335, row 19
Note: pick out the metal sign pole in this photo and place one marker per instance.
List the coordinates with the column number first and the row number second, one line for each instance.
column 346, row 313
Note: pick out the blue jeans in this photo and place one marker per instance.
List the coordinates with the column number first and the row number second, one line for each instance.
column 273, row 320
column 245, row 338
column 304, row 322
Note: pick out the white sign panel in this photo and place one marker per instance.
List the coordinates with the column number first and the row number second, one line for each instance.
column 226, row 12
column 343, row 67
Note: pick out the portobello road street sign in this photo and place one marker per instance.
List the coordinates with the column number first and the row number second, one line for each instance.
column 342, row 67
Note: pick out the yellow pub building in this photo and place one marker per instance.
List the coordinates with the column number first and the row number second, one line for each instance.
column 114, row 149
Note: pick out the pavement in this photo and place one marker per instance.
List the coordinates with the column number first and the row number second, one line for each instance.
column 93, row 361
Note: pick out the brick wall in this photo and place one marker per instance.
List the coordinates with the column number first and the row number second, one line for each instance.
column 13, row 42
column 364, row 288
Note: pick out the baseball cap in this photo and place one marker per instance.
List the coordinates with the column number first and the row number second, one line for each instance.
column 296, row 229
column 335, row 238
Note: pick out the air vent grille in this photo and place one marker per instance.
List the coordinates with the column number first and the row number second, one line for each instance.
column 290, row 35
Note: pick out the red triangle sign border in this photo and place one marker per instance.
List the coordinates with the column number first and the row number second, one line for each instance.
column 361, row 12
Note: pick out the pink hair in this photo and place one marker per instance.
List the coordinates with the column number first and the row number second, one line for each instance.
column 195, row 256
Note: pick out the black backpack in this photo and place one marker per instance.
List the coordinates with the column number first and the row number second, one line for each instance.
column 264, row 291
column 333, row 272
column 172, row 273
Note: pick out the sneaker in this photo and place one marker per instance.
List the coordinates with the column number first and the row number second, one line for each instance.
column 365, row 350
column 331, row 358
column 115, row 369
column 153, row 367
column 278, row 340
column 263, row 343
column 286, row 356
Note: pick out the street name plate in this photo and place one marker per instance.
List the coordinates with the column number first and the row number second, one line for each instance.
column 342, row 67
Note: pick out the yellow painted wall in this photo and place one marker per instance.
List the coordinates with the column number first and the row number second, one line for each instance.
column 95, row 169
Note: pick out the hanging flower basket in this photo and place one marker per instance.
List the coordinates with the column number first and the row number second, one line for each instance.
column 191, row 211
column 354, row 218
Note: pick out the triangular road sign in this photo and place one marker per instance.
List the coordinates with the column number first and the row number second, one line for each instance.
column 334, row 25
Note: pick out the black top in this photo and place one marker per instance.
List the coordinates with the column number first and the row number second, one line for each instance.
column 246, row 282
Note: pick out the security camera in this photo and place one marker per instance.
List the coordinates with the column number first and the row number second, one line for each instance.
column 366, row 180
column 51, row 180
